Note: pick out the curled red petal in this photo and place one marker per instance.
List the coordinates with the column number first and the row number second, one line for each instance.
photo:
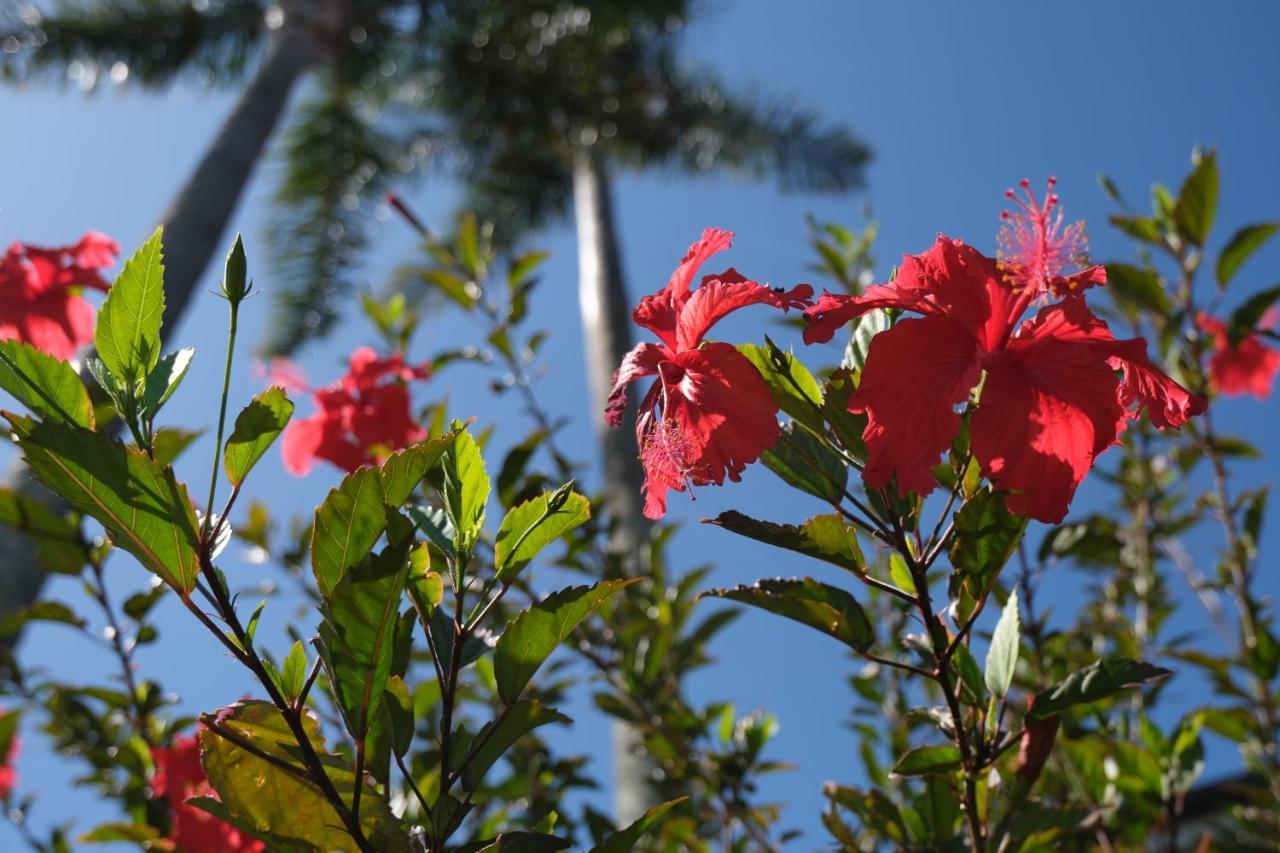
column 916, row 373
column 712, row 241
column 719, row 297
column 640, row 362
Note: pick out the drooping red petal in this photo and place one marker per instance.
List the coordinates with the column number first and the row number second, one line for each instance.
column 640, row 362
column 1249, row 367
column 300, row 442
column 719, row 297
column 916, row 373
column 1062, row 285
column 725, row 415
column 1050, row 405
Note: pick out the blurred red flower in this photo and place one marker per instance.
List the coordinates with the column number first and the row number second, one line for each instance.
column 40, row 301
column 9, row 773
column 1052, row 399
column 1248, row 367
column 709, row 413
column 362, row 417
column 180, row 776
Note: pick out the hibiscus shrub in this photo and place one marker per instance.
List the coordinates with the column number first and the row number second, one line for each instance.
column 401, row 564
column 993, row 381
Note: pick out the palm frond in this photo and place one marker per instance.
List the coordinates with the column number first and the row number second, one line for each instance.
column 337, row 165
column 145, row 42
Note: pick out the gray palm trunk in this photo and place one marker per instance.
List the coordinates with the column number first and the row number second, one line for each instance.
column 194, row 228
column 606, row 333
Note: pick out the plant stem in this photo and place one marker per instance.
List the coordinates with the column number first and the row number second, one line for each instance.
column 141, row 718
column 222, row 421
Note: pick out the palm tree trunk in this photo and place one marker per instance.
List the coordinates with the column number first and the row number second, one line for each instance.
column 194, row 227
column 606, row 333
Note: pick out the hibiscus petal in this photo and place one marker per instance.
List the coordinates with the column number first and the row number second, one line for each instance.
column 300, row 442
column 916, row 373
column 640, row 362
column 717, row 298
column 713, row 240
column 1049, row 407
column 1249, row 367
column 725, row 417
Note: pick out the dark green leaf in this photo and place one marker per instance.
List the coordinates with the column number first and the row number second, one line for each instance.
column 1098, row 681
column 128, row 333
column 831, row 610
column 824, row 537
column 532, row 635
column 804, row 462
column 1198, row 200
column 47, row 386
column 497, row 737
column 1137, row 288
column 926, row 760
column 986, row 535
column 1242, row 244
column 625, row 840
column 1244, row 320
column 404, row 469
column 167, row 444
column 57, row 537
column 144, row 509
column 1138, row 227
column 257, row 427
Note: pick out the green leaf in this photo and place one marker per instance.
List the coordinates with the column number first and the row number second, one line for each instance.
column 347, row 525
column 1137, row 288
column 257, row 427
column 357, row 636
column 533, row 634
column 136, row 833
column 1240, row 247
column 497, row 737
column 128, row 333
column 293, row 673
column 804, row 462
column 1244, row 320
column 257, row 793
column 143, row 508
column 466, row 489
column 404, row 469
column 926, row 760
column 865, row 328
column 524, row 842
column 56, row 536
column 1139, row 227
column 823, row 537
column 626, row 839
column 831, row 610
column 792, row 385
column 41, row 611
column 47, row 386
column 532, row 526
column 986, row 535
column 435, row 525
column 167, row 444
column 1098, row 681
column 165, row 379
column 1002, row 656
column 1198, row 200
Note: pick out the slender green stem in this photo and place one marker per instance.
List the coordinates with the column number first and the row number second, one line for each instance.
column 222, row 420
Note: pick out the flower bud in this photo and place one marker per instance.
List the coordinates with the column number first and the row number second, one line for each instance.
column 235, row 285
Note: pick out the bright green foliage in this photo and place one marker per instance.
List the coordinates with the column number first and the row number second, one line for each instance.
column 287, row 812
column 1002, row 656
column 128, row 332
column 927, row 760
column 165, row 379
column 257, row 427
column 47, row 386
column 823, row 537
column 792, row 385
column 533, row 635
column 466, row 489
column 347, row 525
column 144, row 509
column 533, row 525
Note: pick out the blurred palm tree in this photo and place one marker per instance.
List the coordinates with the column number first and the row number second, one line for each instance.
column 536, row 102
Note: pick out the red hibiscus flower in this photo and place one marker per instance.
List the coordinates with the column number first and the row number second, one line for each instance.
column 1058, row 389
column 40, row 301
column 8, row 773
column 1248, row 367
column 180, row 776
column 362, row 417
column 709, row 413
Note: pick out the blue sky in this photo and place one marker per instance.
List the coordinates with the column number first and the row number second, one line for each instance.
column 957, row 103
